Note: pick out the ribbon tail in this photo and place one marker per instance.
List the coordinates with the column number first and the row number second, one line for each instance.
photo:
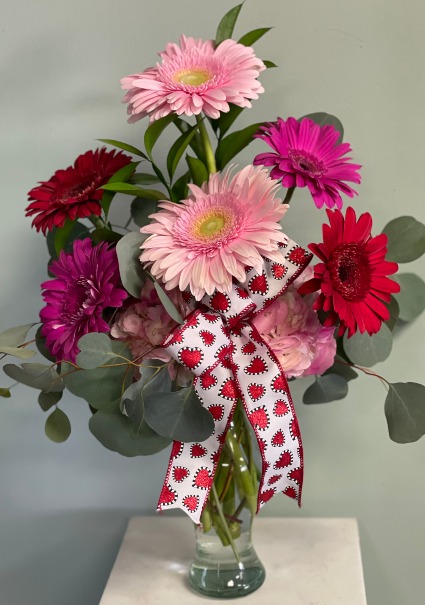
column 269, row 408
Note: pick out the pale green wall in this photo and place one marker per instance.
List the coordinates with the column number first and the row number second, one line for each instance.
column 63, row 507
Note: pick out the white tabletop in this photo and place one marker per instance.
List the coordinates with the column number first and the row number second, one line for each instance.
column 307, row 561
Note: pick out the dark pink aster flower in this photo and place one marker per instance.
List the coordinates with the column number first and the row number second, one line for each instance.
column 308, row 155
column 87, row 282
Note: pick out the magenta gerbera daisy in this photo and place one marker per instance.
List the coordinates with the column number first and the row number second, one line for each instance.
column 211, row 237
column 74, row 192
column 87, row 282
column 308, row 155
column 192, row 77
column 352, row 276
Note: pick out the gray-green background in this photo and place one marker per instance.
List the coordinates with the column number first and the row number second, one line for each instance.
column 63, row 507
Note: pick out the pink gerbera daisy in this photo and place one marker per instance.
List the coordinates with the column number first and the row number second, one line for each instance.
column 74, row 192
column 192, row 77
column 211, row 237
column 308, row 155
column 352, row 277
column 86, row 283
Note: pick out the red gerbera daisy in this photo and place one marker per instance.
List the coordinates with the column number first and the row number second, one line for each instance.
column 74, row 193
column 353, row 275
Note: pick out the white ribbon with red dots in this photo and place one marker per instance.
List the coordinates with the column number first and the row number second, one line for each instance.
column 230, row 360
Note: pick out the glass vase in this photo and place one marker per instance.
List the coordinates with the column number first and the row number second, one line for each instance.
column 225, row 563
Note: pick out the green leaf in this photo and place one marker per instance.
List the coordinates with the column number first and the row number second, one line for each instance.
column 405, row 411
column 366, row 350
column 62, row 235
column 154, row 131
column 132, row 275
column 234, row 143
column 4, row 392
column 129, row 189
column 121, row 176
column 143, row 178
column 40, row 343
column 168, row 304
column 125, row 147
column 251, row 37
column 329, row 387
column 36, row 375
column 58, row 427
column 341, row 368
column 95, row 350
column 225, row 121
column 178, row 148
column 16, row 352
column 78, row 231
column 14, row 337
column 394, row 310
column 324, row 119
column 117, row 433
column 141, row 209
column 179, row 190
column 411, row 298
column 227, row 24
column 99, row 386
column 179, row 415
column 196, row 142
column 269, row 64
column 197, row 170
column 406, row 239
column 153, row 380
column 103, row 234
column 48, row 400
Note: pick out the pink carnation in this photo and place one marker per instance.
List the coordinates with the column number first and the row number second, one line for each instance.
column 293, row 331
column 145, row 323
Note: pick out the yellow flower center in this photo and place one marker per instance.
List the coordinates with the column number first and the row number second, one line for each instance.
column 211, row 224
column 192, row 77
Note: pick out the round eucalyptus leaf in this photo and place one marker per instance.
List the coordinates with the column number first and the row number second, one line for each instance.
column 98, row 386
column 141, row 209
column 168, row 304
column 95, row 350
column 128, row 251
column 17, row 352
column 394, row 310
column 329, row 387
column 48, row 400
column 40, row 343
column 14, row 337
column 324, row 119
column 58, row 427
column 5, row 392
column 35, row 375
column 178, row 415
column 342, row 368
column 405, row 411
column 366, row 350
column 406, row 239
column 117, row 433
column 411, row 298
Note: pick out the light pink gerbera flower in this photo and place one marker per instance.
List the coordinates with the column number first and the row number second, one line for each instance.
column 211, row 237
column 193, row 77
column 308, row 155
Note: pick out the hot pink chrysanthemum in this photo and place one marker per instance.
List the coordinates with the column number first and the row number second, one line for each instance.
column 193, row 77
column 86, row 283
column 308, row 155
column 209, row 238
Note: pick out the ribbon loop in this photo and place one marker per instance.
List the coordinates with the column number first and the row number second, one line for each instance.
column 230, row 360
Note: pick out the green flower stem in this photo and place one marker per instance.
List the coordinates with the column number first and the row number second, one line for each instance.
column 289, row 195
column 225, row 526
column 98, row 222
column 242, row 470
column 209, row 153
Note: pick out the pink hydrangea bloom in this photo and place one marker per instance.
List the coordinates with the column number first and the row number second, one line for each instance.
column 293, row 331
column 208, row 239
column 145, row 323
column 193, row 77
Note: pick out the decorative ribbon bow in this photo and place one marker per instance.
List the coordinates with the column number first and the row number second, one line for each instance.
column 229, row 358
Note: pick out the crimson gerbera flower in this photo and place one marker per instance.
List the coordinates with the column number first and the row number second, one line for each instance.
column 353, row 273
column 308, row 155
column 74, row 192
column 87, row 282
